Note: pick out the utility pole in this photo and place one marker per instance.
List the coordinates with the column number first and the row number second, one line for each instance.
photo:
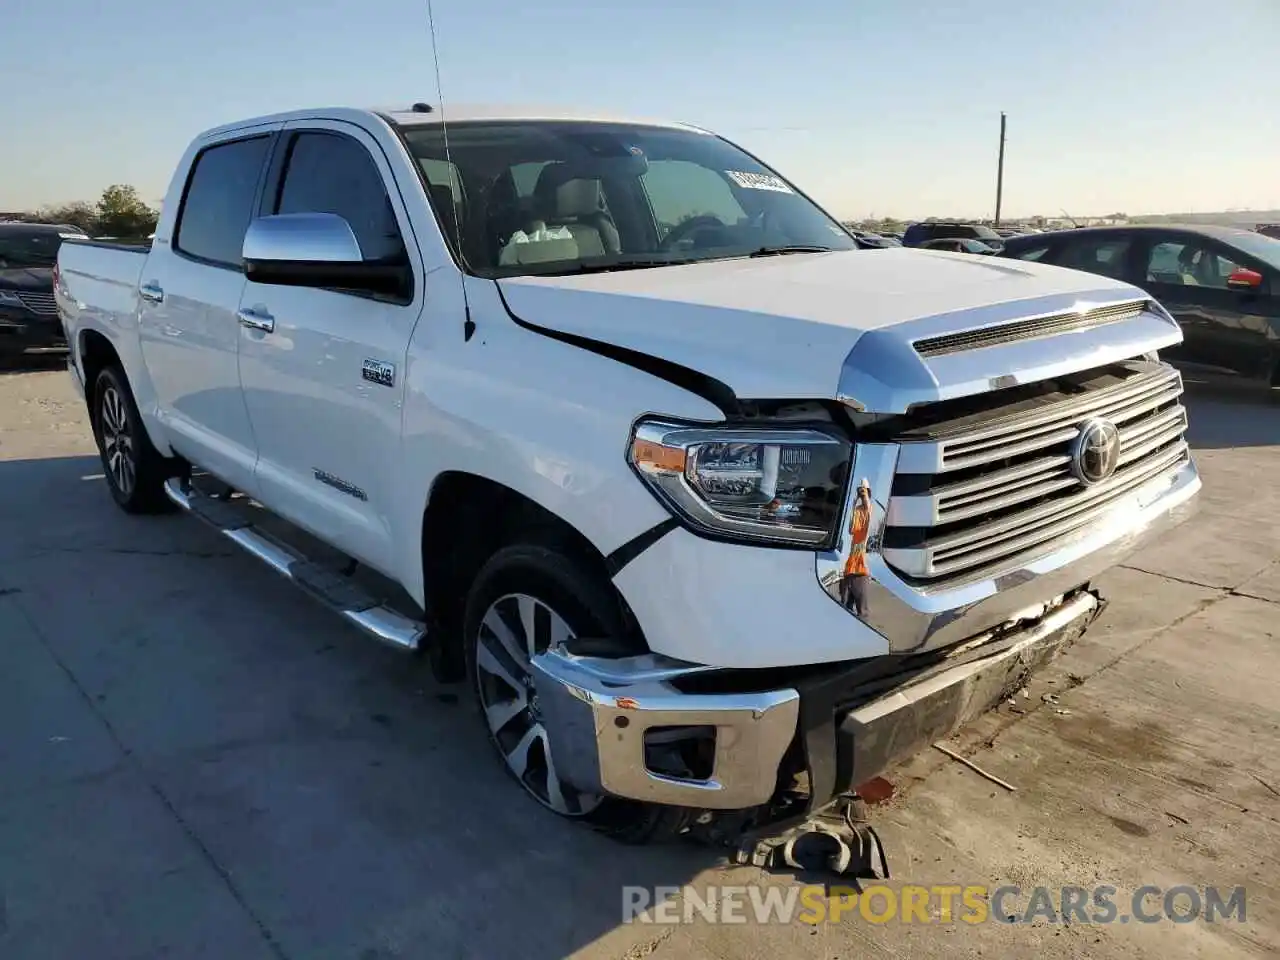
column 1000, row 170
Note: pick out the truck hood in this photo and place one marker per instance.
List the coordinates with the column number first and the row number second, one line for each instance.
column 786, row 327
column 36, row 279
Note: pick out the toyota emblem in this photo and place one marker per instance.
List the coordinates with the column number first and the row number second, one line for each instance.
column 1096, row 451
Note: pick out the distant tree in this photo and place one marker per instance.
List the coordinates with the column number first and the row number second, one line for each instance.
column 122, row 213
column 77, row 214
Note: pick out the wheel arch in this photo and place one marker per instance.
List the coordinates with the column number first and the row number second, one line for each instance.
column 467, row 518
column 94, row 351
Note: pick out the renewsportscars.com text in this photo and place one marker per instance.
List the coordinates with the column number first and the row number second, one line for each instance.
column 972, row 904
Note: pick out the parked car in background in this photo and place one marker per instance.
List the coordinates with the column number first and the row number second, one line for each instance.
column 874, row 240
column 28, row 253
column 918, row 233
column 959, row 245
column 1222, row 284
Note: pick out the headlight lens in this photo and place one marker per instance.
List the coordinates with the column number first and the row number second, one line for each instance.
column 776, row 485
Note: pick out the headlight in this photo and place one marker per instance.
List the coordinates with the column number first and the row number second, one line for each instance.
column 775, row 485
column 9, row 299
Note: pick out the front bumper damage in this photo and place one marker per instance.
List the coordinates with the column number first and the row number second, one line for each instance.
column 835, row 726
column 840, row 726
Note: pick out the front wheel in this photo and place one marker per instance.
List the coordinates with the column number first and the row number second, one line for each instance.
column 135, row 470
column 525, row 599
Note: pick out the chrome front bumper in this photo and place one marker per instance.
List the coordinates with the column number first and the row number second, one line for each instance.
column 597, row 711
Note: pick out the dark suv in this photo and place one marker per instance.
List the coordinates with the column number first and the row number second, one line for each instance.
column 919, row 233
column 28, row 252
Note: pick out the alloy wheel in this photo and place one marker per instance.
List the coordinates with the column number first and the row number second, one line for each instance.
column 117, row 440
column 513, row 630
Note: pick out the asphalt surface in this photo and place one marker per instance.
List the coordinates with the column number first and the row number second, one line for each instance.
column 198, row 761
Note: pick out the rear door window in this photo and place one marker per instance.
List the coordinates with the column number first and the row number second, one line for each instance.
column 1106, row 256
column 219, row 201
column 1033, row 253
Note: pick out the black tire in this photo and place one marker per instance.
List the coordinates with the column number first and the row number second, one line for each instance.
column 134, row 468
column 588, row 605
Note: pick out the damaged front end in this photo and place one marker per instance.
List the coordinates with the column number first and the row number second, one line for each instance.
column 776, row 746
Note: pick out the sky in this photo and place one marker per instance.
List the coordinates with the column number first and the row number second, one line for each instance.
column 874, row 107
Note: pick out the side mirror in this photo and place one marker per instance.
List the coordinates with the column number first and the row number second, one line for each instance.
column 316, row 250
column 1244, row 279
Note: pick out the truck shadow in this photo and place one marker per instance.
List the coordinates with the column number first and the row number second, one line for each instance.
column 354, row 806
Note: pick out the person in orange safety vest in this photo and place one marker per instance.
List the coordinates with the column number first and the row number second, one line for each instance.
column 853, row 586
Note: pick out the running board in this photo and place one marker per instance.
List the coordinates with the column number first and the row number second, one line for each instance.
column 334, row 590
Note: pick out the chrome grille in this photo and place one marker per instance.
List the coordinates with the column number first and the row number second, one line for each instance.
column 991, row 487
column 41, row 303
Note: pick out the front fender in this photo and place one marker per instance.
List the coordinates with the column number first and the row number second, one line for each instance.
column 544, row 418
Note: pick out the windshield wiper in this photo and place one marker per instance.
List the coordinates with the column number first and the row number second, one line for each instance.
column 790, row 248
column 607, row 267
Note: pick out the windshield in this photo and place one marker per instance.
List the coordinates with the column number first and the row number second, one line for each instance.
column 29, row 248
column 985, row 233
column 1264, row 248
column 567, row 197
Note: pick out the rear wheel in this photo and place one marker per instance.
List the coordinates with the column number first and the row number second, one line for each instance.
column 524, row 599
column 134, row 468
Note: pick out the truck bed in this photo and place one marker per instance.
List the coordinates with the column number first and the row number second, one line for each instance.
column 101, row 279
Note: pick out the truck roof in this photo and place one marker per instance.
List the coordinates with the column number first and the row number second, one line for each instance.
column 406, row 116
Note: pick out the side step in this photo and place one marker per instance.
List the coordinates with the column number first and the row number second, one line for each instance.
column 342, row 594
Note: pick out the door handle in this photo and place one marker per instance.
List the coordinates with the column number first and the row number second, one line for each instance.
column 151, row 292
column 256, row 320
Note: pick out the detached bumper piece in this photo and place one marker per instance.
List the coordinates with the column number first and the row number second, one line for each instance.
column 841, row 727
column 854, row 727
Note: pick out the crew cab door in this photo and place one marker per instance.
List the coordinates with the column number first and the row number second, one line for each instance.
column 322, row 369
column 1223, row 327
column 189, row 291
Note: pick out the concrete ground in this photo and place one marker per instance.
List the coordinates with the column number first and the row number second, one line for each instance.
column 197, row 761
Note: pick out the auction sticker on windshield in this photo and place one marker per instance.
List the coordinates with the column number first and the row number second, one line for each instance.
column 758, row 181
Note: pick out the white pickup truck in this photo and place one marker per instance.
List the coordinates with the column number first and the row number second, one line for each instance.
column 714, row 510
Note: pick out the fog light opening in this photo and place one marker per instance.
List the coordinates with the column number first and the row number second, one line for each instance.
column 686, row 753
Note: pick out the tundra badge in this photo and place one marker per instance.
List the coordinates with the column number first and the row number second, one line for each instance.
column 375, row 371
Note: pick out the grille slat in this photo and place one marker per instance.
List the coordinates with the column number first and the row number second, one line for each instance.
column 1116, row 404
column 36, row 302
column 1007, row 490
column 946, row 547
column 966, row 491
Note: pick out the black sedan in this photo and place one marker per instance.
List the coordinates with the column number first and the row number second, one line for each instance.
column 28, row 252
column 1222, row 284
column 959, row 245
